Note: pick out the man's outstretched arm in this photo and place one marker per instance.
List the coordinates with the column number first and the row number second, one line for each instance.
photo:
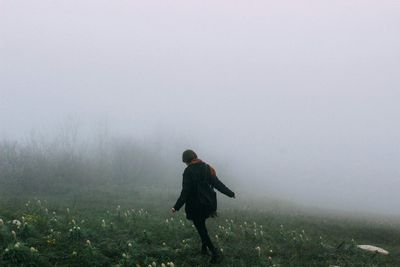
column 221, row 187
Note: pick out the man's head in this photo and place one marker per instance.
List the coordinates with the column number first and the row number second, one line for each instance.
column 188, row 156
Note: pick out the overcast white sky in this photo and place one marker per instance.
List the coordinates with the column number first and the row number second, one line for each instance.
column 300, row 98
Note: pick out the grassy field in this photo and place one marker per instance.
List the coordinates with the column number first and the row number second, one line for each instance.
column 136, row 228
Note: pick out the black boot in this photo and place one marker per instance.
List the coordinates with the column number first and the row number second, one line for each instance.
column 204, row 250
column 215, row 256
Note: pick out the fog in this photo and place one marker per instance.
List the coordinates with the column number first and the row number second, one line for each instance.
column 294, row 100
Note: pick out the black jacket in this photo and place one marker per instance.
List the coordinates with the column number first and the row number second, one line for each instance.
column 191, row 175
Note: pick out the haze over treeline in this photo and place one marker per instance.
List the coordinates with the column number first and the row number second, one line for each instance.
column 293, row 100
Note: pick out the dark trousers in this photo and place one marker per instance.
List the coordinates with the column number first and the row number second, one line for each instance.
column 200, row 225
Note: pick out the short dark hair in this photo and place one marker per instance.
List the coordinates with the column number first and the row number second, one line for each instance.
column 188, row 156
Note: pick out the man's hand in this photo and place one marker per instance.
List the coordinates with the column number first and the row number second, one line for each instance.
column 173, row 210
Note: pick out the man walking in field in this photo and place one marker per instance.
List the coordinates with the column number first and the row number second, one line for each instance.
column 199, row 179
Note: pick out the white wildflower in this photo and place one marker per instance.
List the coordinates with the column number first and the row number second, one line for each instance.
column 258, row 249
column 17, row 245
column 17, row 223
column 6, row 250
column 123, row 255
column 153, row 264
column 1, row 222
column 163, row 265
column 373, row 249
column 130, row 245
column 88, row 243
column 14, row 235
column 34, row 250
column 74, row 253
column 103, row 223
column 67, row 210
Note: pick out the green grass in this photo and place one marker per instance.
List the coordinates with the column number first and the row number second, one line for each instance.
column 139, row 229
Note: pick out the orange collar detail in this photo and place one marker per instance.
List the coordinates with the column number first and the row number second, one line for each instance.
column 212, row 170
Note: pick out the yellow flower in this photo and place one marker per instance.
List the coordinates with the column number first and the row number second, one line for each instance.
column 51, row 242
column 30, row 218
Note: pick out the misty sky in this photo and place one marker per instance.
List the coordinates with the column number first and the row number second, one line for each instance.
column 299, row 98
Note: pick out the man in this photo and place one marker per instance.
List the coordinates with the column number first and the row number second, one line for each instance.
column 195, row 209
